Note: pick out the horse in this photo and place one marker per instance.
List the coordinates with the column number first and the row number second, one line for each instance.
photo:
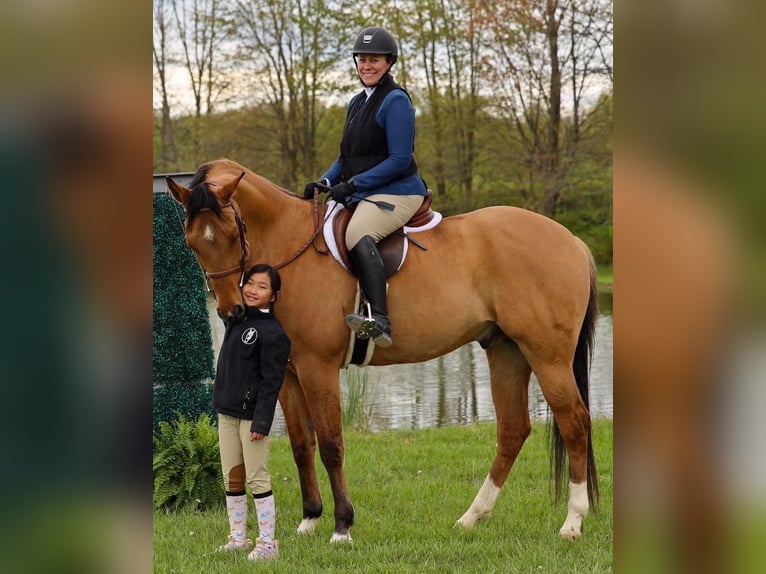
column 517, row 282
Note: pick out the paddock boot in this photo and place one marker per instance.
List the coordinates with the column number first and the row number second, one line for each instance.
column 236, row 509
column 372, row 280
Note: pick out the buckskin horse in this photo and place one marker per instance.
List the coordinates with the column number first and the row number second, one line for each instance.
column 515, row 281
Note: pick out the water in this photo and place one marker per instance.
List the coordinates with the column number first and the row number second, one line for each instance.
column 454, row 389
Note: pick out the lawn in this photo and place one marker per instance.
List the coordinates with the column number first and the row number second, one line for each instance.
column 408, row 488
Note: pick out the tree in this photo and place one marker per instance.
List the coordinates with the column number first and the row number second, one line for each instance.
column 292, row 49
column 445, row 36
column 202, row 31
column 537, row 72
column 161, row 60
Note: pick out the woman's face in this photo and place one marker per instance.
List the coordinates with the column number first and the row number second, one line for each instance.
column 371, row 68
column 257, row 292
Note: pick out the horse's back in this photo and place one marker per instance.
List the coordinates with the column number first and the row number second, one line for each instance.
column 498, row 249
column 517, row 240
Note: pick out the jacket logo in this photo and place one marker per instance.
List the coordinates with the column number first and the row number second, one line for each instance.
column 249, row 336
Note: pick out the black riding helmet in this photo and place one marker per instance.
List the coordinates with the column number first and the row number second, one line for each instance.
column 376, row 40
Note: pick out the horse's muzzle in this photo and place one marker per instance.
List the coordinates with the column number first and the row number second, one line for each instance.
column 236, row 314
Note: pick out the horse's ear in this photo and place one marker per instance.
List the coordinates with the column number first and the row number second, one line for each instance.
column 179, row 192
column 228, row 190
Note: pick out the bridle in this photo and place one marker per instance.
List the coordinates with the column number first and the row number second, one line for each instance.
column 244, row 247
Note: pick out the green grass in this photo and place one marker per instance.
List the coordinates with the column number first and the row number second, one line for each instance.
column 605, row 278
column 408, row 488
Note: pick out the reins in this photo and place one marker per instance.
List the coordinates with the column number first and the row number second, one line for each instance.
column 312, row 239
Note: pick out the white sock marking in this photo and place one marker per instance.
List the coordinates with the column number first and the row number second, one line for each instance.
column 482, row 505
column 345, row 538
column 577, row 510
column 307, row 525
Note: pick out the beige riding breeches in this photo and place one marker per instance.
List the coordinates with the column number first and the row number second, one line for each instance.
column 369, row 219
column 243, row 461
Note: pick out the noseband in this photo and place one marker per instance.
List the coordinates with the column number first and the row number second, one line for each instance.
column 243, row 245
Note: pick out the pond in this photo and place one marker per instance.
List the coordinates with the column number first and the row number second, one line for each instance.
column 453, row 389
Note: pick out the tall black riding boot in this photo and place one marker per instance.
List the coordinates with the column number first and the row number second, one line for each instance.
column 372, row 280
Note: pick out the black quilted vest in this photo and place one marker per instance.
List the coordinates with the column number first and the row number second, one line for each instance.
column 363, row 144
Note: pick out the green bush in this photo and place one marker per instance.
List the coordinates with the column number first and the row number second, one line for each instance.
column 187, row 465
column 182, row 351
column 188, row 399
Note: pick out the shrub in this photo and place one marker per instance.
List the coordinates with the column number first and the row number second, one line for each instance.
column 188, row 399
column 187, row 465
column 182, row 352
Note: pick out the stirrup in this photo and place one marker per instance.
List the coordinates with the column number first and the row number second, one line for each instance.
column 361, row 325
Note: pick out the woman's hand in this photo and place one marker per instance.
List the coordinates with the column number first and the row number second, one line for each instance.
column 342, row 190
column 256, row 436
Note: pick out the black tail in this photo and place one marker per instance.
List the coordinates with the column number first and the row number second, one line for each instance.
column 581, row 367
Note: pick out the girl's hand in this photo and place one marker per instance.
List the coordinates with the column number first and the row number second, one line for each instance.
column 256, row 436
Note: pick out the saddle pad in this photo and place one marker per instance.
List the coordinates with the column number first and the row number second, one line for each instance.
column 333, row 209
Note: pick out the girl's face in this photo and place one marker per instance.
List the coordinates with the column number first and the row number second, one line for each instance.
column 257, row 292
column 371, row 68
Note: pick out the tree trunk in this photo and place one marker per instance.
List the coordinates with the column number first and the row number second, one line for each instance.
column 551, row 163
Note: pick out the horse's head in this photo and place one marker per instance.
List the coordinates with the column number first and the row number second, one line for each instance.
column 216, row 234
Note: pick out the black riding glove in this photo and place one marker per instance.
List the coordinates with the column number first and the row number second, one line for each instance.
column 341, row 191
column 308, row 191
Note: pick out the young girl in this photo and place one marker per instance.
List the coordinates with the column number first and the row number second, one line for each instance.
column 251, row 368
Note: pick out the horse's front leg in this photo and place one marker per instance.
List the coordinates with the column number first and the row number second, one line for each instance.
column 320, row 383
column 303, row 443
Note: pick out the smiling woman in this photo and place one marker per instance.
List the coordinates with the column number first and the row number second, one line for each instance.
column 371, row 68
column 376, row 158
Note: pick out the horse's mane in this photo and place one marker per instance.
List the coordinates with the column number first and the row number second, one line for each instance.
column 201, row 197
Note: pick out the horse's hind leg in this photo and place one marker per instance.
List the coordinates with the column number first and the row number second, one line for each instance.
column 559, row 388
column 509, row 379
column 303, row 443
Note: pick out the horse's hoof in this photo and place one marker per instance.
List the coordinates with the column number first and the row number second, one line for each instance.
column 307, row 526
column 465, row 523
column 569, row 533
column 471, row 517
column 344, row 538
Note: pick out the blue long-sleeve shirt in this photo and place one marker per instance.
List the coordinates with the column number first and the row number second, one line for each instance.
column 396, row 116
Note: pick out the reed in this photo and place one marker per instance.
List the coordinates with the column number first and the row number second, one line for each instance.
column 356, row 405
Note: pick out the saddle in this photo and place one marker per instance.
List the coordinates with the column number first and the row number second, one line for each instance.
column 393, row 249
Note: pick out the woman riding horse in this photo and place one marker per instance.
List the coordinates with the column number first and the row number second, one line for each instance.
column 375, row 160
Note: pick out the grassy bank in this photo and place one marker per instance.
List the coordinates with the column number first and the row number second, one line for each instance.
column 408, row 489
column 605, row 278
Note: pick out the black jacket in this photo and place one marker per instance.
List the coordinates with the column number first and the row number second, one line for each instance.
column 251, row 369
